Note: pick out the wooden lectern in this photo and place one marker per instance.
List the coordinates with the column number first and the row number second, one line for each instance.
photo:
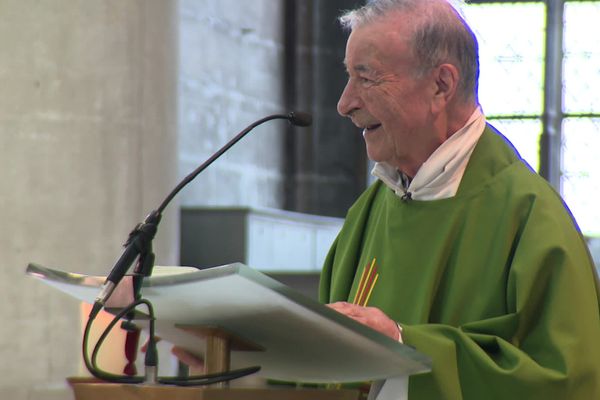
column 104, row 391
column 237, row 317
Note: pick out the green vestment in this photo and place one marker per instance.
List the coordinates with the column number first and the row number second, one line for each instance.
column 495, row 284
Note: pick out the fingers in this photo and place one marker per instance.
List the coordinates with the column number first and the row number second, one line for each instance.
column 346, row 308
column 196, row 364
column 373, row 317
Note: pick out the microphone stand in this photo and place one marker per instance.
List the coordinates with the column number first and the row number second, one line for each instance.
column 143, row 235
column 139, row 245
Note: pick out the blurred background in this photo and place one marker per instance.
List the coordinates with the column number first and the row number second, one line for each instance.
column 105, row 105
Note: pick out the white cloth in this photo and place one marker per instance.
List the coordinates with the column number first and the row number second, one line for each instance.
column 440, row 175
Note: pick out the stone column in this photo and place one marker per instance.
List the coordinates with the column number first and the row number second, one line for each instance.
column 87, row 148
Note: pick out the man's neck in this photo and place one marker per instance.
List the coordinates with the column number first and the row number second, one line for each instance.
column 440, row 175
column 457, row 117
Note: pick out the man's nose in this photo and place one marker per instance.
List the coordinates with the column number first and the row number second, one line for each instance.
column 349, row 101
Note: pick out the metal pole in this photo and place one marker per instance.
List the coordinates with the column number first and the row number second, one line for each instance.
column 550, row 145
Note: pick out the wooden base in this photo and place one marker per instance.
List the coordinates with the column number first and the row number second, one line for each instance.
column 103, row 391
column 219, row 344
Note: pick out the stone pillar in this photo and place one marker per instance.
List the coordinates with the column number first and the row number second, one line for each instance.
column 88, row 147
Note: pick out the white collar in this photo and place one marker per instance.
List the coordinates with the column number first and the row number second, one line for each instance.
column 440, row 175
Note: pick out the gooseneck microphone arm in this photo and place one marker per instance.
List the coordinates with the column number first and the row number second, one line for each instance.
column 295, row 118
column 139, row 242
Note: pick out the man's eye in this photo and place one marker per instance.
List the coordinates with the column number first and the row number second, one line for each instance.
column 364, row 80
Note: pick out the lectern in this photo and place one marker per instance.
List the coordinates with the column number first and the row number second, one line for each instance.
column 237, row 317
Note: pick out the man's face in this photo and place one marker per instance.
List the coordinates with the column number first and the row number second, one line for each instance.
column 386, row 97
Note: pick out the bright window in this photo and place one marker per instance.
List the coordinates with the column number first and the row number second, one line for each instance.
column 580, row 166
column 511, row 86
column 512, row 44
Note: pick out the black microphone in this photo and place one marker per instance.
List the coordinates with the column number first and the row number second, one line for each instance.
column 300, row 118
column 139, row 242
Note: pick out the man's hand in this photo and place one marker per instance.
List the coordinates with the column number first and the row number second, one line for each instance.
column 195, row 364
column 373, row 317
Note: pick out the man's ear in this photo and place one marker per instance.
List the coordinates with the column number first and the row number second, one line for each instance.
column 446, row 78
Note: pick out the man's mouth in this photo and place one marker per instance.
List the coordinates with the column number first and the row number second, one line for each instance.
column 370, row 128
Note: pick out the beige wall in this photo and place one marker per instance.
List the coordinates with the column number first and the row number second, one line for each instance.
column 88, row 147
column 230, row 74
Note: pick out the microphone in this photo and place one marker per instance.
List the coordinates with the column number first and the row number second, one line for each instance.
column 299, row 118
column 139, row 242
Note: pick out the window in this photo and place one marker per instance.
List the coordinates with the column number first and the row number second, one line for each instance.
column 581, row 106
column 511, row 86
column 511, row 90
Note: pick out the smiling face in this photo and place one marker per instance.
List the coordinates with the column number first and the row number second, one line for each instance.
column 387, row 97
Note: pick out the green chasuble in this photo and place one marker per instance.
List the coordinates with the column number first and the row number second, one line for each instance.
column 495, row 284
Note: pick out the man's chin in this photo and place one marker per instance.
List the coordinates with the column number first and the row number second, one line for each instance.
column 374, row 154
column 377, row 149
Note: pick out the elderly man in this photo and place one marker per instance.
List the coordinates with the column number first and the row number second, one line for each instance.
column 458, row 249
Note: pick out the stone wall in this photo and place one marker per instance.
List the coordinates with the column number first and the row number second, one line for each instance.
column 230, row 74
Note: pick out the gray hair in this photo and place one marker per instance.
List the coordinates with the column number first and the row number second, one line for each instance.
column 440, row 34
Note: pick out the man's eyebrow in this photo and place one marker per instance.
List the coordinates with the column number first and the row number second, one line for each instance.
column 362, row 68
column 358, row 68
